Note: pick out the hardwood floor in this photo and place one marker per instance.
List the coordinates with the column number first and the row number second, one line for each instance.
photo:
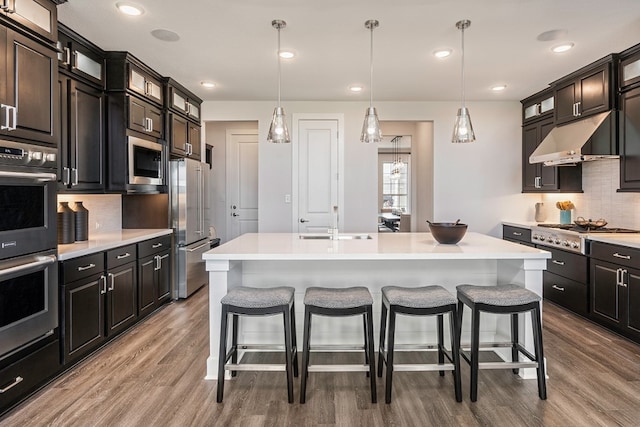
column 153, row 376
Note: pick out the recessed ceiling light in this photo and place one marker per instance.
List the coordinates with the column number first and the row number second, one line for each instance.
column 286, row 54
column 355, row 88
column 498, row 88
column 131, row 9
column 208, row 84
column 562, row 47
column 442, row 53
column 165, row 35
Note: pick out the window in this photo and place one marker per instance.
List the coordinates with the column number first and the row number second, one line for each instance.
column 395, row 190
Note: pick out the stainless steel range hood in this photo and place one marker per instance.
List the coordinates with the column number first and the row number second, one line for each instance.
column 589, row 139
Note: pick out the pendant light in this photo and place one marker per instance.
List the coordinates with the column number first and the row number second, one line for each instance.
column 398, row 164
column 278, row 132
column 371, row 127
column 462, row 129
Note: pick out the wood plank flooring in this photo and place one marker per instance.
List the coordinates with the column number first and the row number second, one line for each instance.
column 153, row 376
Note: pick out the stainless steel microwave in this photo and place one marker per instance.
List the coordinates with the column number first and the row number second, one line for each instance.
column 146, row 163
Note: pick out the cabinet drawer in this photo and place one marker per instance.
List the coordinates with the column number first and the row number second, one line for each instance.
column 152, row 246
column 516, row 233
column 622, row 255
column 121, row 256
column 567, row 264
column 566, row 292
column 28, row 373
column 78, row 268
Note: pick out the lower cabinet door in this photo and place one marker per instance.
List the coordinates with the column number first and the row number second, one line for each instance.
column 83, row 328
column 122, row 298
column 568, row 293
column 147, row 273
column 164, row 277
column 605, row 292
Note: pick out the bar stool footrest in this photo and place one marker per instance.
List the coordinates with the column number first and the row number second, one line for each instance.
column 339, row 368
column 254, row 367
column 416, row 367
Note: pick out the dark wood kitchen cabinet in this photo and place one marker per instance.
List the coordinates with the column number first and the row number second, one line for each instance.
column 629, row 126
column 565, row 280
column 28, row 88
column 154, row 274
column 99, row 299
column 183, row 121
column 519, row 235
column 145, row 118
column 38, row 16
column 615, row 288
column 538, row 106
column 80, row 58
column 587, row 91
column 82, row 137
column 126, row 73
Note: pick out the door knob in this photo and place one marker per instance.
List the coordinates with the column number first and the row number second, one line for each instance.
column 235, row 214
column 304, row 220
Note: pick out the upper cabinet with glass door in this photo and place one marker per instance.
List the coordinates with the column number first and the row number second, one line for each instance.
column 538, row 106
column 80, row 57
column 630, row 67
column 182, row 101
column 126, row 72
column 38, row 16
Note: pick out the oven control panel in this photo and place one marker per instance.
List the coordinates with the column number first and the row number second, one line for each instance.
column 572, row 242
column 22, row 154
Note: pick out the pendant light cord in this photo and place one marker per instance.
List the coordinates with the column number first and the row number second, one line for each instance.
column 279, row 72
column 371, row 70
column 462, row 67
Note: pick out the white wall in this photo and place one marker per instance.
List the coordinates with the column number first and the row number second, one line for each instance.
column 480, row 183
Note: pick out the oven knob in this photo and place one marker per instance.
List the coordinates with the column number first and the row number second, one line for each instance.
column 565, row 243
column 556, row 241
column 51, row 157
column 36, row 155
column 550, row 239
column 575, row 245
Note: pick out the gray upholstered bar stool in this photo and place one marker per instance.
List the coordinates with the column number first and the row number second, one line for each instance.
column 337, row 302
column 422, row 301
column 246, row 301
column 504, row 299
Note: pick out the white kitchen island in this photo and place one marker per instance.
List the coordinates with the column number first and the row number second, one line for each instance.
column 405, row 259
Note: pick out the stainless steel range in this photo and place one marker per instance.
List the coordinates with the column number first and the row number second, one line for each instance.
column 569, row 237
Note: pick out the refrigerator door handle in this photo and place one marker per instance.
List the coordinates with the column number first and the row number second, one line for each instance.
column 207, row 243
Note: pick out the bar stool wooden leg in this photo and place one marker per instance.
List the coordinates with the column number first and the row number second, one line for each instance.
column 305, row 355
column 222, row 354
column 539, row 353
column 440, row 341
column 383, row 331
column 369, row 350
column 514, row 340
column 475, row 352
column 390, row 354
column 455, row 353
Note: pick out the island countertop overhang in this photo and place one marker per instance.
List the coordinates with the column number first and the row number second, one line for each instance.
column 383, row 246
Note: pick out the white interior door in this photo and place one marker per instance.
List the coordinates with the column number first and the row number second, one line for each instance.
column 242, row 182
column 317, row 174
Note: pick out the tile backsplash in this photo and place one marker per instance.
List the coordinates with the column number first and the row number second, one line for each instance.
column 105, row 210
column 600, row 182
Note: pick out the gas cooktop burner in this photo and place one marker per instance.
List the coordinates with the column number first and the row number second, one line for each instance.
column 579, row 229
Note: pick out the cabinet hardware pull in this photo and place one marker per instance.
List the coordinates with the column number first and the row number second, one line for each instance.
column 14, row 115
column 74, row 60
column 86, row 267
column 123, row 256
column 578, row 113
column 10, row 113
column 617, row 255
column 158, row 263
column 75, row 176
column 157, row 245
column 558, row 288
column 516, row 233
column 112, row 280
column 67, row 54
column 622, row 282
column 67, row 173
column 618, row 271
column 15, row 382
column 557, row 262
column 104, row 285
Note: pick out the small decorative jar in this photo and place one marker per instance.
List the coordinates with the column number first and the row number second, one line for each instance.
column 81, row 222
column 66, row 225
column 565, row 217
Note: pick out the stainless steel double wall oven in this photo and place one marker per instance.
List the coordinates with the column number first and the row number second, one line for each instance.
column 28, row 240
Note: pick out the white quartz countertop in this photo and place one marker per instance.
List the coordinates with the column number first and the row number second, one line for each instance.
column 381, row 246
column 105, row 241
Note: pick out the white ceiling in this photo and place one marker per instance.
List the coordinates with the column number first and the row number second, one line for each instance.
column 232, row 43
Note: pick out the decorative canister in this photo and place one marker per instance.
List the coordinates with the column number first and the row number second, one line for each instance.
column 540, row 215
column 66, row 226
column 81, row 222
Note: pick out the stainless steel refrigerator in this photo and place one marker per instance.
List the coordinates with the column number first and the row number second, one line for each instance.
column 190, row 222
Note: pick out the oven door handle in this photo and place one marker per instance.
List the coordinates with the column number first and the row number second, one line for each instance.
column 31, row 176
column 40, row 261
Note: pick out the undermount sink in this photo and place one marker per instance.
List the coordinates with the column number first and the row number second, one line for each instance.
column 341, row 236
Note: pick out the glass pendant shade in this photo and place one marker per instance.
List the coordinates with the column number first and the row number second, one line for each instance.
column 278, row 132
column 371, row 131
column 462, row 129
